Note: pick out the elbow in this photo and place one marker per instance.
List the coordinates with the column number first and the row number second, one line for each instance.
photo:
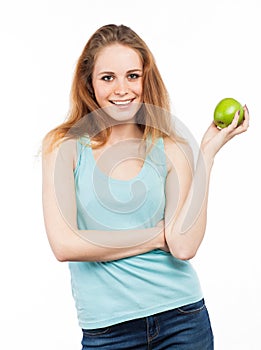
column 183, row 254
column 63, row 254
column 62, row 251
column 183, row 248
column 60, row 256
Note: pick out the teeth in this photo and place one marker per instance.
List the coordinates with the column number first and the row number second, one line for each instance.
column 121, row 103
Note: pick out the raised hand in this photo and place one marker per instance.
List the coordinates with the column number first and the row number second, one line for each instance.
column 214, row 138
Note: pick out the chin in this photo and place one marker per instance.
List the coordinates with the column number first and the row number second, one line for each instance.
column 123, row 114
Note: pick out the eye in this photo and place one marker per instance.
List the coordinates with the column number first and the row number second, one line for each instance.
column 107, row 78
column 133, row 76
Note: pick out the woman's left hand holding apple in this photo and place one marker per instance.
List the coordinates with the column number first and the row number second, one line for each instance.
column 214, row 138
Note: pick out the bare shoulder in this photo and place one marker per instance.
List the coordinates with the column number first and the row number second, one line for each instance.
column 66, row 150
column 178, row 154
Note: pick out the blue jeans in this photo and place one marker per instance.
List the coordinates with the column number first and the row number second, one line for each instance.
column 184, row 328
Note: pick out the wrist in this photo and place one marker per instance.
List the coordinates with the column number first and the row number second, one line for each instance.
column 206, row 158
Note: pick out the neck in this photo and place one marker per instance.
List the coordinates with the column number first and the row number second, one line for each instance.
column 124, row 131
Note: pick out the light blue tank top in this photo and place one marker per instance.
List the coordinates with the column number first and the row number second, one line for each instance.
column 107, row 293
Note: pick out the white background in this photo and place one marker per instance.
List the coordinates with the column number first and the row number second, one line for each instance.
column 205, row 50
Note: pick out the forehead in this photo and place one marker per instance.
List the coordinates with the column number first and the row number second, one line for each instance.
column 117, row 56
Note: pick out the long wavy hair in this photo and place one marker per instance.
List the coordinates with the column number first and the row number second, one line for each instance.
column 85, row 116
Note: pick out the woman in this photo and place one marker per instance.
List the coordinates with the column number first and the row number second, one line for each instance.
column 123, row 203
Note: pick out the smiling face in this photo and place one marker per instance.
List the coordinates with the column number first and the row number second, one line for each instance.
column 117, row 81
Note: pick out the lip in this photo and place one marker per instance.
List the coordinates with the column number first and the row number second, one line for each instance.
column 122, row 103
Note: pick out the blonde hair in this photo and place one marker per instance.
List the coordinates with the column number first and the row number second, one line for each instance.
column 153, row 119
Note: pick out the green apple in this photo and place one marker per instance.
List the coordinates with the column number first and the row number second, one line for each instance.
column 225, row 111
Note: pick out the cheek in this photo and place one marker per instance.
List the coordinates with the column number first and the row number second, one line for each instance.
column 139, row 85
column 138, row 89
column 101, row 91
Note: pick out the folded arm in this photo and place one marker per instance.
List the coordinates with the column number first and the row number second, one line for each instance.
column 60, row 215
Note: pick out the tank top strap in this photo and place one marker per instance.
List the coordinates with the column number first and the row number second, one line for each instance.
column 83, row 145
column 157, row 155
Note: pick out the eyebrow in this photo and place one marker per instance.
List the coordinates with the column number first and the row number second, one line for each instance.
column 128, row 72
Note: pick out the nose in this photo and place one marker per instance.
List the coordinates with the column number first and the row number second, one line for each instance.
column 121, row 87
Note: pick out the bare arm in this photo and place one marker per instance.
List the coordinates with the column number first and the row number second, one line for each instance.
column 59, row 206
column 186, row 215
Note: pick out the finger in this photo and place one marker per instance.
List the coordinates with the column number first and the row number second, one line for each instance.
column 236, row 119
column 246, row 115
column 233, row 125
column 245, row 124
